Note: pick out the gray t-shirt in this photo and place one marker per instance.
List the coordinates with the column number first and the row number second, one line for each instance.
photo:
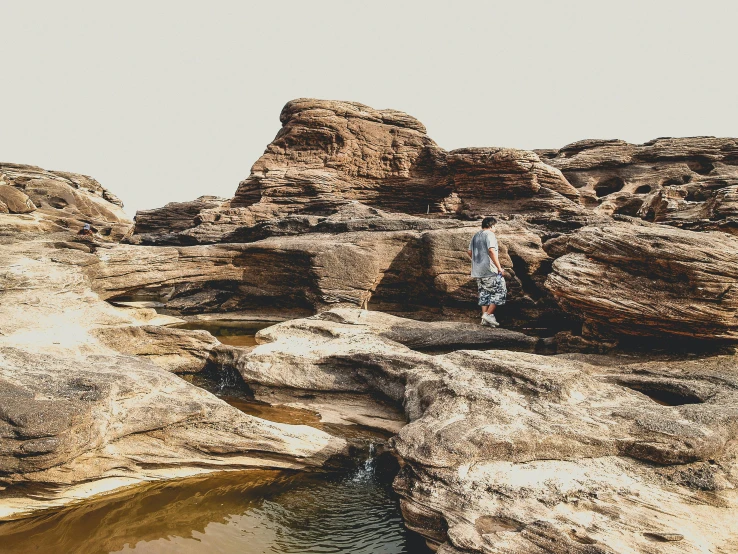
column 482, row 265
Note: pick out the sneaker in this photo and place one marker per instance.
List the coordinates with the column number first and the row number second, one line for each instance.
column 485, row 323
column 491, row 320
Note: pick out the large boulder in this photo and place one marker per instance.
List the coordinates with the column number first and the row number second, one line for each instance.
column 331, row 150
column 15, row 201
column 649, row 280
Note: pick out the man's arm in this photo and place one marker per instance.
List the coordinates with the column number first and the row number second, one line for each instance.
column 495, row 260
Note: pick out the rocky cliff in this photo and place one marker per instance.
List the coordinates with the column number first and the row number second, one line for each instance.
column 601, row 419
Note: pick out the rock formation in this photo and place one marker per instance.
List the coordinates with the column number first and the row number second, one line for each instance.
column 685, row 182
column 60, row 200
column 505, row 446
column 650, row 280
column 329, row 153
column 518, row 452
column 88, row 396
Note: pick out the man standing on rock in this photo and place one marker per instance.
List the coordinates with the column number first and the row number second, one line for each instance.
column 487, row 270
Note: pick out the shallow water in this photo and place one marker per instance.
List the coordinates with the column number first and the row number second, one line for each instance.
column 230, row 332
column 247, row 512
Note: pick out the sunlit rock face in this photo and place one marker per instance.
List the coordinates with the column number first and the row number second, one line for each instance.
column 518, row 452
column 650, row 280
column 59, row 200
column 90, row 399
column 329, row 153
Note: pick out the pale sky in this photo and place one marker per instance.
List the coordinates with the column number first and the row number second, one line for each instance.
column 169, row 100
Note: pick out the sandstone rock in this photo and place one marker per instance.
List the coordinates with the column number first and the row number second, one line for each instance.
column 15, row 201
column 75, row 410
column 156, row 226
column 330, row 153
column 676, row 181
column 329, row 150
column 75, row 420
column 64, row 200
column 517, row 452
column 428, row 335
column 174, row 350
column 649, row 280
column 504, row 180
column 403, row 265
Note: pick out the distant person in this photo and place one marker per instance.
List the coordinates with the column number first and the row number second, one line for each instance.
column 486, row 269
column 86, row 231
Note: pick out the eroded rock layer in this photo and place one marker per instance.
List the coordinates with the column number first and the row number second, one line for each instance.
column 518, row 452
column 504, row 447
column 685, row 182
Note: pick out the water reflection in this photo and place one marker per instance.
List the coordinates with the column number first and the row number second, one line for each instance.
column 249, row 512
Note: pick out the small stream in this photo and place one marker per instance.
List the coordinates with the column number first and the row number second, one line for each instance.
column 352, row 511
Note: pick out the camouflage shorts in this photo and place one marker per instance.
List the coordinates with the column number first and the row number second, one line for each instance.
column 492, row 290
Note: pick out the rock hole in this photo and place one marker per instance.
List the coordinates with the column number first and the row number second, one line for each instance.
column 643, row 189
column 494, row 524
column 677, row 181
column 58, row 203
column 664, row 393
column 630, row 207
column 609, row 186
column 701, row 165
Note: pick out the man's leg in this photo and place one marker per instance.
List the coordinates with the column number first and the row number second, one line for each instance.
column 491, row 309
column 484, row 310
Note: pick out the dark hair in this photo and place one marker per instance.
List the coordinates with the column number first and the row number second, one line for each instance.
column 488, row 222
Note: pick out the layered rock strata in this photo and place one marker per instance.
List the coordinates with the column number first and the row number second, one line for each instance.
column 329, row 153
column 59, row 200
column 685, row 182
column 516, row 452
column 648, row 280
column 88, row 396
column 505, row 449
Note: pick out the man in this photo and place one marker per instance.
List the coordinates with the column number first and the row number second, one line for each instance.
column 486, row 268
column 86, row 231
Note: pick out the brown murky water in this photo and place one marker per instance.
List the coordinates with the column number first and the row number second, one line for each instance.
column 247, row 512
column 230, row 332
